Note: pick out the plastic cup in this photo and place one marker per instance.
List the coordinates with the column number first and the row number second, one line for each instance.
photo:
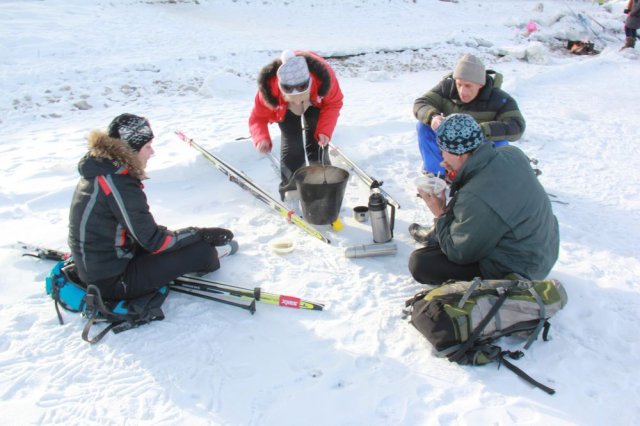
column 431, row 184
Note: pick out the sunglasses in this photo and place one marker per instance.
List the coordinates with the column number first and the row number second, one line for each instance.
column 299, row 88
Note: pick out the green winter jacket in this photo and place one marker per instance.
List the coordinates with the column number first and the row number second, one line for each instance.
column 499, row 216
column 496, row 112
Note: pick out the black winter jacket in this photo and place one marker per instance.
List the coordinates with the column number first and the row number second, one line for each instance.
column 109, row 219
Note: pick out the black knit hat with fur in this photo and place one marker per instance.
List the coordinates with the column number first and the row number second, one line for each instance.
column 134, row 130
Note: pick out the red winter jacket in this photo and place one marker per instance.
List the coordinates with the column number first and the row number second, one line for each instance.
column 270, row 106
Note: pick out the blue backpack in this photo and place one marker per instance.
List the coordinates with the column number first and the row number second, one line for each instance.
column 67, row 290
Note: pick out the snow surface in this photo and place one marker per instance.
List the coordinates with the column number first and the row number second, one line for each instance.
column 70, row 66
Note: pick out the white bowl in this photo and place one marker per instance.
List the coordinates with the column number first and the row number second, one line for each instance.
column 282, row 246
column 431, row 184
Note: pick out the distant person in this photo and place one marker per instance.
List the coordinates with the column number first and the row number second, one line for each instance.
column 115, row 241
column 632, row 23
column 499, row 218
column 472, row 90
column 296, row 85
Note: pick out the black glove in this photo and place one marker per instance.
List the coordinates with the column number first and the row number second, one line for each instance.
column 215, row 236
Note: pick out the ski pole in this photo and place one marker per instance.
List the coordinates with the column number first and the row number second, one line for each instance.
column 256, row 293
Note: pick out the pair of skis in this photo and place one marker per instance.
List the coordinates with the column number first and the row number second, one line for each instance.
column 242, row 180
column 241, row 297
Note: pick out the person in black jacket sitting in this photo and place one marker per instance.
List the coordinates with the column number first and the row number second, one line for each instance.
column 115, row 242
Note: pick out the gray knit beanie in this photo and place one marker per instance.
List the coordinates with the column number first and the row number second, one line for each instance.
column 470, row 68
column 458, row 134
column 294, row 70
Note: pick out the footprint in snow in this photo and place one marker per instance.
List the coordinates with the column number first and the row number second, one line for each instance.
column 392, row 408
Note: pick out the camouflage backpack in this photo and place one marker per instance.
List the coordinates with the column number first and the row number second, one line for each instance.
column 463, row 319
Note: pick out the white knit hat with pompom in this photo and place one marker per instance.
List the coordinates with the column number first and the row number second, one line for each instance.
column 294, row 69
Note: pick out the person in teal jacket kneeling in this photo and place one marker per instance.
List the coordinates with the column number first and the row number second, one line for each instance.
column 498, row 220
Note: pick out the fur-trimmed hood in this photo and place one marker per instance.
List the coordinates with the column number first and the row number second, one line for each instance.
column 268, row 73
column 108, row 155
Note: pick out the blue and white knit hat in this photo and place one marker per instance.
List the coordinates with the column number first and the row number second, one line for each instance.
column 458, row 134
column 134, row 130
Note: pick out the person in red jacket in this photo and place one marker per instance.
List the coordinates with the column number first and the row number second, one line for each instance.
column 298, row 84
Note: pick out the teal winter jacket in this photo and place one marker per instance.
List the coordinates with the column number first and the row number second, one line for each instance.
column 499, row 216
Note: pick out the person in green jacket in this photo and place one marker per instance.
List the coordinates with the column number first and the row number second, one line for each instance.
column 498, row 219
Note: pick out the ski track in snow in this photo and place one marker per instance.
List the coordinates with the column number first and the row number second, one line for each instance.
column 357, row 362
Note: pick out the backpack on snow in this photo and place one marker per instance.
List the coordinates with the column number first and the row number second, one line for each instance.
column 463, row 319
column 67, row 290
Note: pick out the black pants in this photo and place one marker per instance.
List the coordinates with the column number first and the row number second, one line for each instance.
column 292, row 145
column 429, row 265
column 147, row 273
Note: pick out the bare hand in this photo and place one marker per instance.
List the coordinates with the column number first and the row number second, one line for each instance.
column 264, row 146
column 323, row 140
column 435, row 202
column 436, row 120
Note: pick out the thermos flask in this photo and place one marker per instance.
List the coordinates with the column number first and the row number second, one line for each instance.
column 381, row 225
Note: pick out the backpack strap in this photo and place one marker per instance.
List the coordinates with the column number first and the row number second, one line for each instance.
column 408, row 305
column 96, row 310
column 99, row 336
column 55, row 294
column 474, row 284
column 519, row 372
column 543, row 320
column 460, row 353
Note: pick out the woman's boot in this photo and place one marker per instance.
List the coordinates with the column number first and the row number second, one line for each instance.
column 629, row 42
